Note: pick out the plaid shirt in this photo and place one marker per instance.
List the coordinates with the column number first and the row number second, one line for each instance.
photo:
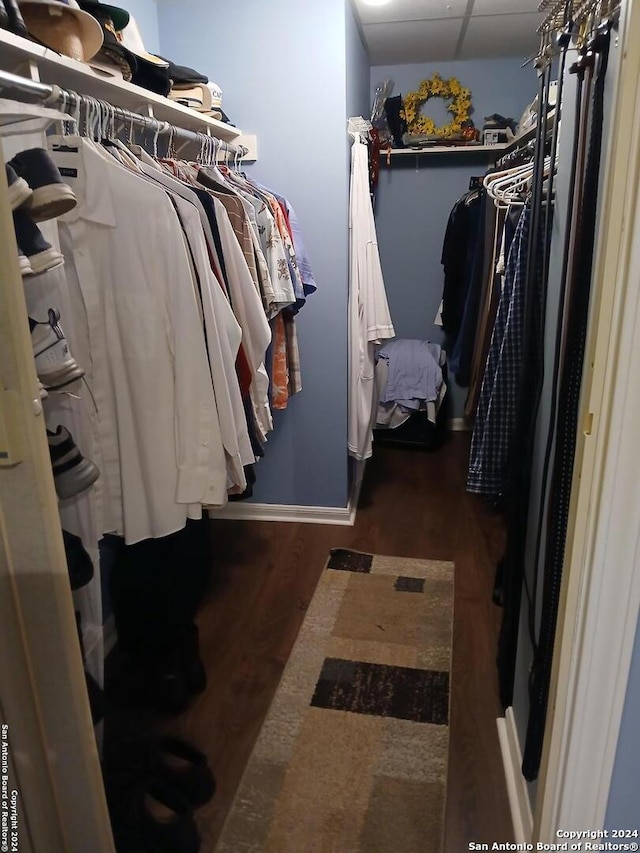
column 496, row 415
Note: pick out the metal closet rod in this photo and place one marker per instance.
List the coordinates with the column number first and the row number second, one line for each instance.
column 55, row 96
column 579, row 11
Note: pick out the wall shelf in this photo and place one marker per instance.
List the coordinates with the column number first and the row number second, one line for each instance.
column 498, row 150
column 21, row 56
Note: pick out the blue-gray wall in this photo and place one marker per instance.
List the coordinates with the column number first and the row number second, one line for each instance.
column 415, row 195
column 624, row 795
column 146, row 14
column 282, row 68
column 358, row 67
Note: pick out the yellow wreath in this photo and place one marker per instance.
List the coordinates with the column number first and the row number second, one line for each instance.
column 436, row 87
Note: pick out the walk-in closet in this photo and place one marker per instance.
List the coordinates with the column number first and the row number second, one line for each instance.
column 318, row 491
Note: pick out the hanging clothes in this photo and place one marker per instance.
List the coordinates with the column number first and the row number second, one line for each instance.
column 458, row 253
column 496, row 415
column 159, row 446
column 369, row 318
column 165, row 297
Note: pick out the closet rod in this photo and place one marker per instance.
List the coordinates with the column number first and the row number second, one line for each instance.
column 578, row 12
column 50, row 96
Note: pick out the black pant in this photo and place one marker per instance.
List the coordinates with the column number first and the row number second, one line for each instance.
column 156, row 588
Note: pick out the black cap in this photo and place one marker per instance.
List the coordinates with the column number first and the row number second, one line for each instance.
column 120, row 17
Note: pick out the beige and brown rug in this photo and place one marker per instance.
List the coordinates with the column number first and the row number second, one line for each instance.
column 352, row 757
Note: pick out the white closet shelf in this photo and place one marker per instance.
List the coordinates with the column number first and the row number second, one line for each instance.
column 498, row 150
column 21, row 56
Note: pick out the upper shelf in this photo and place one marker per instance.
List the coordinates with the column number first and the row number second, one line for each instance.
column 21, row 56
column 499, row 150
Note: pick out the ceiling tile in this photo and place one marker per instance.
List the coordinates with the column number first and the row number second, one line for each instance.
column 411, row 10
column 505, row 35
column 416, row 41
column 502, row 7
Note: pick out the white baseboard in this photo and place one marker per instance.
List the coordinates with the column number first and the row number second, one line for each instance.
column 459, row 425
column 519, row 801
column 342, row 516
column 282, row 512
column 110, row 635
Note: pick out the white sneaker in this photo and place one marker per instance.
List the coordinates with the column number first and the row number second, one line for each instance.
column 55, row 365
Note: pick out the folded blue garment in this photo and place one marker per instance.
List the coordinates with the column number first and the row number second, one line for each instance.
column 414, row 371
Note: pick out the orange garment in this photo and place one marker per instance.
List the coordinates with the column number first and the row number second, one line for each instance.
column 280, row 364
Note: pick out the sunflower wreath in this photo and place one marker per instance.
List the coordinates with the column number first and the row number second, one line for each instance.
column 437, row 87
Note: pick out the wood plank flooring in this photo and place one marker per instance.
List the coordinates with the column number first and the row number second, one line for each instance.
column 413, row 504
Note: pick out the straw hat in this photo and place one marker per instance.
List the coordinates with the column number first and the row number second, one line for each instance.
column 63, row 26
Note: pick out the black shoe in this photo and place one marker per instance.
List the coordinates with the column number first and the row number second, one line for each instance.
column 149, row 814
column 79, row 562
column 72, row 473
column 31, row 243
column 51, row 196
column 4, row 17
column 19, row 190
column 156, row 683
column 171, row 760
column 16, row 21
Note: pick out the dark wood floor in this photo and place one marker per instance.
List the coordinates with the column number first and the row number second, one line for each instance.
column 413, row 504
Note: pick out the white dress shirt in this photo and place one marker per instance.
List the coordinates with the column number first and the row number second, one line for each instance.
column 155, row 407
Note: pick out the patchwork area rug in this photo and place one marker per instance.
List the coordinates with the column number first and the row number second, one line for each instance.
column 352, row 757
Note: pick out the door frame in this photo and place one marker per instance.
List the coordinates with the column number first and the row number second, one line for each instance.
column 52, row 758
column 598, row 617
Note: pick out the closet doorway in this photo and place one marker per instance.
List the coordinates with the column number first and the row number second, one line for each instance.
column 413, row 506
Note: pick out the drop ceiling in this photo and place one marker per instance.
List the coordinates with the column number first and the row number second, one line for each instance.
column 440, row 30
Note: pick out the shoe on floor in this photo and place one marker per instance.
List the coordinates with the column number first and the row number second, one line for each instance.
column 51, row 196
column 149, row 814
column 72, row 473
column 55, row 365
column 169, row 759
column 156, row 682
column 31, row 243
column 19, row 190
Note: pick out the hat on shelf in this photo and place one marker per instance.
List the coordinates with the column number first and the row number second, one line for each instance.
column 113, row 59
column 216, row 99
column 197, row 97
column 132, row 40
column 63, row 26
column 120, row 17
column 184, row 77
column 151, row 72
